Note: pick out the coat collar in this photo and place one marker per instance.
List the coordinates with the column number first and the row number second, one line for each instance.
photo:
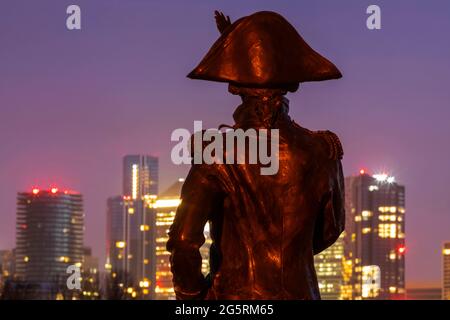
column 261, row 111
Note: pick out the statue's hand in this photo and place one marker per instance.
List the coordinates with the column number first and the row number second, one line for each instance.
column 222, row 22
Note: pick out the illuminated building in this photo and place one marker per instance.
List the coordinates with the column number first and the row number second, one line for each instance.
column 140, row 176
column 49, row 238
column 446, row 271
column 131, row 229
column 375, row 237
column 329, row 269
column 131, row 244
column 90, row 286
column 166, row 206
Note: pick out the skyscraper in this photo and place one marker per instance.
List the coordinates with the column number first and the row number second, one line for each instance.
column 329, row 268
column 131, row 228
column 375, row 236
column 166, row 206
column 140, row 176
column 50, row 228
column 446, row 271
column 131, row 244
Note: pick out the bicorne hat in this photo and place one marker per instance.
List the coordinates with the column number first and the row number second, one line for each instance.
column 263, row 50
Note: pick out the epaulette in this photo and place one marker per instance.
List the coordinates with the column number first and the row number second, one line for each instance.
column 335, row 147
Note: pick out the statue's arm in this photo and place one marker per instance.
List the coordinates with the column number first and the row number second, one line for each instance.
column 200, row 195
column 331, row 221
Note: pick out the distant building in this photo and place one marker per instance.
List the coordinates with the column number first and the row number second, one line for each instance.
column 166, row 206
column 446, row 271
column 7, row 267
column 49, row 238
column 131, row 245
column 115, row 233
column 140, row 176
column 90, row 276
column 423, row 293
column 329, row 269
column 131, row 229
column 375, row 237
column 7, row 263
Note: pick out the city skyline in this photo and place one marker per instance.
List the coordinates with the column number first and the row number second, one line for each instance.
column 374, row 239
column 118, row 87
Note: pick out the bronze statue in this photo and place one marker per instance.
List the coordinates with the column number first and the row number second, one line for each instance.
column 265, row 228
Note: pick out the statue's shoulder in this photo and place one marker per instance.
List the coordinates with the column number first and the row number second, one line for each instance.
column 334, row 145
column 331, row 142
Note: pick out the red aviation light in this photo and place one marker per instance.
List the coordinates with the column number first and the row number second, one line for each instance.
column 54, row 190
column 401, row 250
column 35, row 190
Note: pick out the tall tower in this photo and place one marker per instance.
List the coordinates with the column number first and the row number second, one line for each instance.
column 140, row 176
column 131, row 228
column 446, row 271
column 49, row 237
column 375, row 236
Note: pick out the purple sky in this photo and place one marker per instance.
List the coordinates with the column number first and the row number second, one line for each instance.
column 74, row 102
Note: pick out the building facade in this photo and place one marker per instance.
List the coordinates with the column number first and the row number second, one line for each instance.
column 140, row 176
column 49, row 238
column 446, row 271
column 90, row 276
column 166, row 206
column 131, row 245
column 7, row 267
column 131, row 229
column 329, row 266
column 375, row 237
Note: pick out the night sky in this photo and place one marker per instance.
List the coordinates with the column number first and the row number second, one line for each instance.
column 73, row 103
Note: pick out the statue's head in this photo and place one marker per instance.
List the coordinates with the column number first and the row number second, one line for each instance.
column 263, row 50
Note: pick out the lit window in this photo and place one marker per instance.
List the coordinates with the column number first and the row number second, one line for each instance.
column 387, row 230
column 64, row 259
column 120, row 244
column 144, row 283
column 366, row 214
